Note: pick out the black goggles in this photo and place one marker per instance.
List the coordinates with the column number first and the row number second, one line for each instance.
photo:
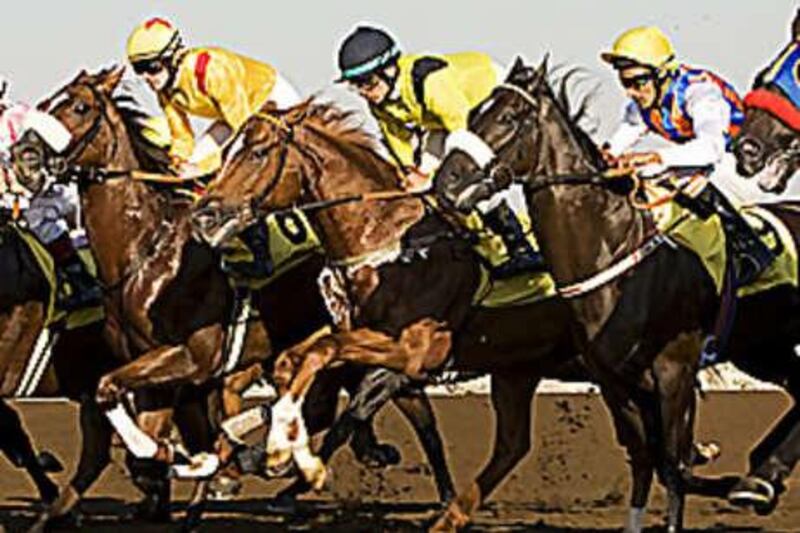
column 637, row 82
column 149, row 66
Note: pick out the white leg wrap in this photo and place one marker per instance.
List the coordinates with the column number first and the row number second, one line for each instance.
column 137, row 441
column 635, row 522
column 201, row 466
column 236, row 427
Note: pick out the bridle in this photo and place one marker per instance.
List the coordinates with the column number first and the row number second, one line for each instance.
column 79, row 145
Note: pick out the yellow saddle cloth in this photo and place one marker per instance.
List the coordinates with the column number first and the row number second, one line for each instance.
column 706, row 238
column 291, row 241
column 524, row 288
column 74, row 319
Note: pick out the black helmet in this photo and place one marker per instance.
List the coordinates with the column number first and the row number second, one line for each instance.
column 364, row 51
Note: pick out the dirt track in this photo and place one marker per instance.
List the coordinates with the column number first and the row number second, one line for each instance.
column 574, row 480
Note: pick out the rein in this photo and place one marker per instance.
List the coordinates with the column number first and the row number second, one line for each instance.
column 285, row 144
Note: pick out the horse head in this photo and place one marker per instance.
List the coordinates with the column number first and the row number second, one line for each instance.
column 768, row 145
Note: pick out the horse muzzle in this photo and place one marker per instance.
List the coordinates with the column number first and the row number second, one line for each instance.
column 217, row 225
column 774, row 176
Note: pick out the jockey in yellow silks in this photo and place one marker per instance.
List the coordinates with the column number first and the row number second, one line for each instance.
column 694, row 109
column 419, row 99
column 211, row 83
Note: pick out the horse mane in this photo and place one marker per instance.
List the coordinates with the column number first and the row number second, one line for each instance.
column 151, row 157
column 344, row 129
column 561, row 86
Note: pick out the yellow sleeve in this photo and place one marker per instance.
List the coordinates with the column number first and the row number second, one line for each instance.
column 180, row 128
column 228, row 91
column 445, row 100
column 399, row 141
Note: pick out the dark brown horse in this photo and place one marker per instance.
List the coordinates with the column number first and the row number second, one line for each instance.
column 409, row 276
column 168, row 299
column 768, row 145
column 641, row 329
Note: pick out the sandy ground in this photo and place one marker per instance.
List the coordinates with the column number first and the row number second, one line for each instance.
column 574, row 480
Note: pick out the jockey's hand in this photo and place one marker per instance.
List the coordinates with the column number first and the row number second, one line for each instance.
column 635, row 160
column 610, row 159
column 415, row 180
column 189, row 170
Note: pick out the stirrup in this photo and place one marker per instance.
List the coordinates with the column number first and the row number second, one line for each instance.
column 709, row 353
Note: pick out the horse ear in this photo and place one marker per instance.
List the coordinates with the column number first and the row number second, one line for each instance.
column 796, row 27
column 541, row 72
column 109, row 79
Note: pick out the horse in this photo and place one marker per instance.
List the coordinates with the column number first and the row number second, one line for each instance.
column 768, row 145
column 409, row 281
column 167, row 296
column 43, row 359
column 603, row 256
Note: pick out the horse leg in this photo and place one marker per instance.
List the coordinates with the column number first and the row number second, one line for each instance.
column 771, row 462
column 420, row 347
column 511, row 396
column 191, row 362
column 94, row 458
column 155, row 417
column 233, row 385
column 17, row 446
column 191, row 418
column 633, row 423
column 674, row 372
column 377, row 387
column 416, row 407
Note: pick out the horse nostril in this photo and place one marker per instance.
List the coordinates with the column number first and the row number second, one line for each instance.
column 750, row 149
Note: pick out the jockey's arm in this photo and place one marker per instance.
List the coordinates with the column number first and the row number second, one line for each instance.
column 399, row 142
column 711, row 117
column 444, row 100
column 182, row 142
column 630, row 131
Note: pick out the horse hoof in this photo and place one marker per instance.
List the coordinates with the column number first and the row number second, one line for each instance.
column 152, row 510
column 282, row 504
column 70, row 520
column 224, row 488
column 705, row 453
column 379, row 456
column 752, row 491
column 48, row 491
column 49, row 462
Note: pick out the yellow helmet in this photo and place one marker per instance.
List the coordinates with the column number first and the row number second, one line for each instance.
column 646, row 46
column 152, row 39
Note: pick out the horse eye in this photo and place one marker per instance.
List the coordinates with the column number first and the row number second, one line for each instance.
column 81, row 108
column 259, row 153
column 508, row 117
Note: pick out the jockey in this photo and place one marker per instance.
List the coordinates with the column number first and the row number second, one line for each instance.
column 49, row 205
column 12, row 115
column 694, row 109
column 418, row 100
column 211, row 83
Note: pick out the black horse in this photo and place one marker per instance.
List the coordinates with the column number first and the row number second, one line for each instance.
column 640, row 328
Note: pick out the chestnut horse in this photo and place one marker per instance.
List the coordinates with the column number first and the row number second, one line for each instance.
column 168, row 301
column 407, row 275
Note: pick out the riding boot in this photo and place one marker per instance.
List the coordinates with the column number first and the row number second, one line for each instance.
column 256, row 238
column 522, row 257
column 84, row 289
column 749, row 253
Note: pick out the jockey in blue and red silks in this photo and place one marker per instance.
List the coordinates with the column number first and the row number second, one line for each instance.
column 699, row 113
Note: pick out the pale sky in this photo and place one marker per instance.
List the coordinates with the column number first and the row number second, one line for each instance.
column 46, row 43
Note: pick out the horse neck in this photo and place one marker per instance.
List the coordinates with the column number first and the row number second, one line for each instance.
column 582, row 229
column 121, row 215
column 356, row 228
